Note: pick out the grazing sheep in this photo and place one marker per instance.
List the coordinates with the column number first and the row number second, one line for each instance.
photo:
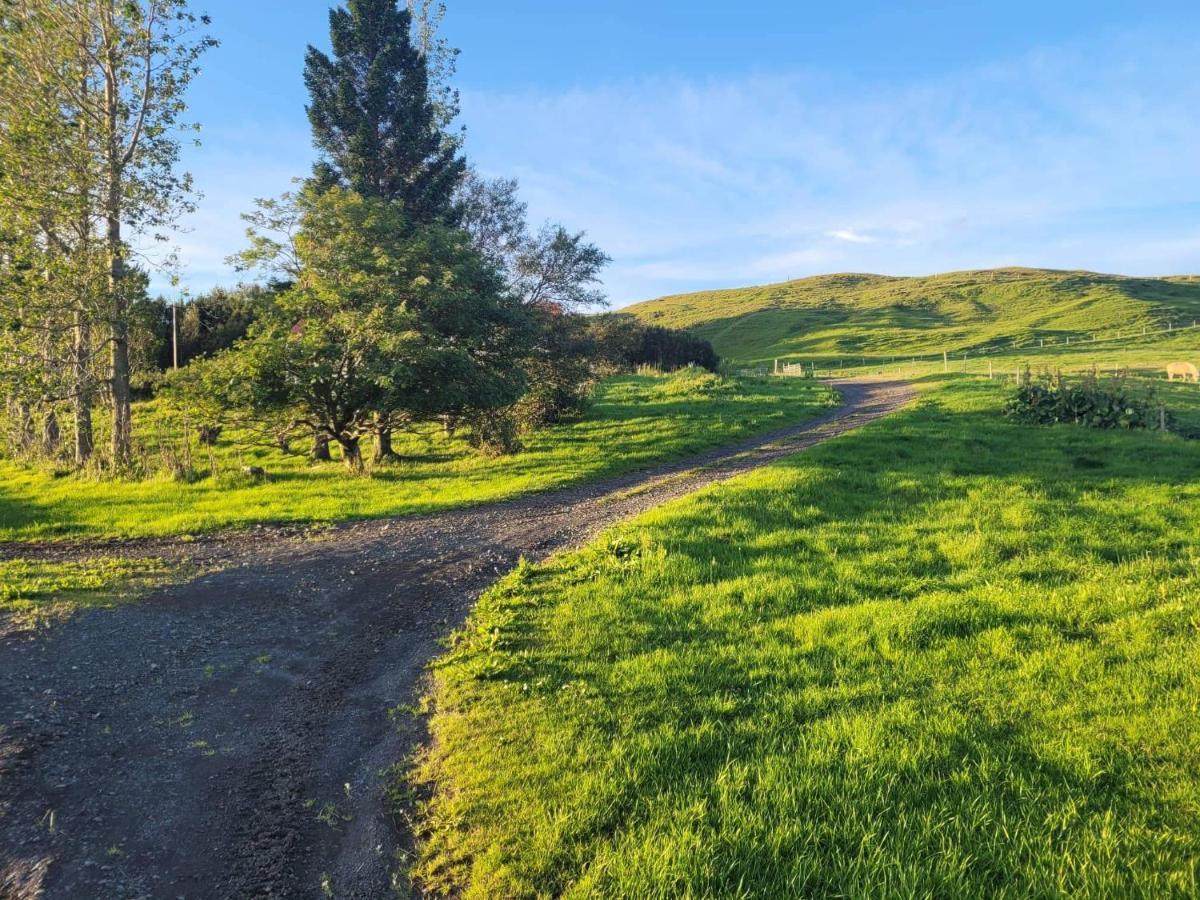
column 1184, row 371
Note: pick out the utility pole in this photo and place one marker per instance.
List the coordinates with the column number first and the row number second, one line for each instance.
column 175, row 334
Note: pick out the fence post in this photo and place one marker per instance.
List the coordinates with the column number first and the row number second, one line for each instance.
column 945, row 361
column 991, row 373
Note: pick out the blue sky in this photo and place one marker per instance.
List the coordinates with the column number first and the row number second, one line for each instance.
column 710, row 144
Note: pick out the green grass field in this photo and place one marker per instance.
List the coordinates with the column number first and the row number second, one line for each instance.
column 635, row 421
column 943, row 656
column 837, row 320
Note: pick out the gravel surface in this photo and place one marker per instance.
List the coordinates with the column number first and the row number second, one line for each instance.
column 229, row 737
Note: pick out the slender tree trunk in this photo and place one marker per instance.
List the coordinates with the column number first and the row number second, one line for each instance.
column 383, row 445
column 351, row 454
column 51, row 433
column 122, row 408
column 81, row 393
column 23, row 415
column 320, row 448
column 122, row 411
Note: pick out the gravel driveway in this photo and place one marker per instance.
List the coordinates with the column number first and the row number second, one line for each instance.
column 228, row 737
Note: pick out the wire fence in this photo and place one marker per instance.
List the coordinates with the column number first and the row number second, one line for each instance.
column 981, row 358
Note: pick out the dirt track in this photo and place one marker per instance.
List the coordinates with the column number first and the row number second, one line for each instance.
column 227, row 737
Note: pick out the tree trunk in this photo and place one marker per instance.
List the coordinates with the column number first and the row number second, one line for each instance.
column 383, row 445
column 351, row 454
column 23, row 415
column 122, row 411
column 81, row 393
column 320, row 448
column 51, row 433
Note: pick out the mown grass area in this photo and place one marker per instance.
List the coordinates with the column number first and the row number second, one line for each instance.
column 34, row 589
column 945, row 655
column 635, row 421
column 837, row 320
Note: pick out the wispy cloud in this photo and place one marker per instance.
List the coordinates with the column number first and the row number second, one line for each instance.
column 1067, row 156
column 852, row 236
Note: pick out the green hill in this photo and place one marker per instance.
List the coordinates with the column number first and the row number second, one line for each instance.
column 877, row 315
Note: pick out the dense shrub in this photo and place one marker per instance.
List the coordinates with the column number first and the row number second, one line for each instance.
column 1050, row 399
column 670, row 349
column 494, row 432
column 624, row 343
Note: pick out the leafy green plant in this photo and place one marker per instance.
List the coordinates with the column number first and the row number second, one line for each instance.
column 1049, row 399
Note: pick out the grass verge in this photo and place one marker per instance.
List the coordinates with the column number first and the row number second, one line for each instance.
column 944, row 655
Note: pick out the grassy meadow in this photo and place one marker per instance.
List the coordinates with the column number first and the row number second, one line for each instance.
column 945, row 655
column 634, row 421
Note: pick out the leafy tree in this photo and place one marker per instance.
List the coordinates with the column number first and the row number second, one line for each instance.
column 552, row 268
column 373, row 118
column 96, row 88
column 204, row 326
column 378, row 122
column 554, row 275
column 386, row 323
column 441, row 60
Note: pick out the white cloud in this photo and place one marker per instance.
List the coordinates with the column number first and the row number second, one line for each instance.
column 852, row 236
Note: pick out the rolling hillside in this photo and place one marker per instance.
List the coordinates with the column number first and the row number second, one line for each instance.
column 876, row 315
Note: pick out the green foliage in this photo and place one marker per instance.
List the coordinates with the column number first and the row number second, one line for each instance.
column 1052, row 400
column 91, row 113
column 940, row 656
column 207, row 324
column 386, row 323
column 372, row 116
column 625, row 342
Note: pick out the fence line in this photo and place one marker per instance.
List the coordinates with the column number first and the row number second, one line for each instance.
column 964, row 355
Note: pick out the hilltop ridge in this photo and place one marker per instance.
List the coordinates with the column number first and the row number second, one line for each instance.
column 853, row 312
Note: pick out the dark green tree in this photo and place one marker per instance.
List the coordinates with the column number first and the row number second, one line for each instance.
column 386, row 326
column 373, row 117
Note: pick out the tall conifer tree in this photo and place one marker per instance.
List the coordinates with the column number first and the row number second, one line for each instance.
column 372, row 115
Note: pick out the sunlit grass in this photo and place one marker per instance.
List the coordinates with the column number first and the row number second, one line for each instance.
column 838, row 320
column 942, row 656
column 634, row 422
column 33, row 589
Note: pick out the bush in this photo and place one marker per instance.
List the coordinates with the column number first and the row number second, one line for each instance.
column 495, row 432
column 1049, row 400
column 622, row 342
